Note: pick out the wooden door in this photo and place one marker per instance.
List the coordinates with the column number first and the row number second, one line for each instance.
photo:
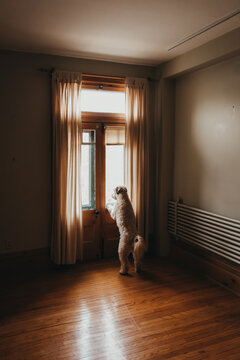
column 102, row 168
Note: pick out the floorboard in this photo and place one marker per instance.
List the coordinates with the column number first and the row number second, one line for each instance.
column 89, row 311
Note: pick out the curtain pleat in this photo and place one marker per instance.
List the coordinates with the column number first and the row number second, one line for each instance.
column 137, row 150
column 66, row 241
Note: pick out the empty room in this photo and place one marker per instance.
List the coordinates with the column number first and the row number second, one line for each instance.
column 120, row 180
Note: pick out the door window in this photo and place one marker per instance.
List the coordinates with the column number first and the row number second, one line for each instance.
column 88, row 178
column 114, row 159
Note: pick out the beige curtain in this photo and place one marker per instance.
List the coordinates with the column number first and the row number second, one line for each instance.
column 137, row 150
column 66, row 243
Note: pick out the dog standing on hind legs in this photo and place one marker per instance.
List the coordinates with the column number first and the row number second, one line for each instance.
column 130, row 240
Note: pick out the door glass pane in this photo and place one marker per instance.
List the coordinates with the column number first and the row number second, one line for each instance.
column 103, row 101
column 88, row 136
column 114, row 135
column 88, row 169
column 114, row 169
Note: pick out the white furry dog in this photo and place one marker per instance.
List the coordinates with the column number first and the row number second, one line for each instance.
column 130, row 241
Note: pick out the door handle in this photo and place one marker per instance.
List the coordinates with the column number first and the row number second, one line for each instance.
column 96, row 212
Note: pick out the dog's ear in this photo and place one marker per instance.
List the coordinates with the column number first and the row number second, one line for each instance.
column 120, row 189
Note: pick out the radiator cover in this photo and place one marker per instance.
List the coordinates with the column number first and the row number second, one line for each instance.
column 215, row 233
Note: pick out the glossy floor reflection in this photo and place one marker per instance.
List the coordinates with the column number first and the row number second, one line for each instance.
column 91, row 312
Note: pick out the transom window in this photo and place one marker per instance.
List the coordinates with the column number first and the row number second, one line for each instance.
column 103, row 101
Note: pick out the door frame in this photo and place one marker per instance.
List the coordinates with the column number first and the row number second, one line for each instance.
column 105, row 83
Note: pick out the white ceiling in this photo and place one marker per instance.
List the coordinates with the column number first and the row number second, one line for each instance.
column 130, row 31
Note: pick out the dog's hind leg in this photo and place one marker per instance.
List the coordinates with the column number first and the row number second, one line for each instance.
column 138, row 252
column 137, row 263
column 123, row 252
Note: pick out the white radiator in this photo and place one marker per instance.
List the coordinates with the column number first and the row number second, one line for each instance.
column 215, row 233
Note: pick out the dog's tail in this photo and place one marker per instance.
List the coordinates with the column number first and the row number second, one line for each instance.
column 138, row 251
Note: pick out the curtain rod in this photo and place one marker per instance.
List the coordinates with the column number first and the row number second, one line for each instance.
column 51, row 70
column 47, row 71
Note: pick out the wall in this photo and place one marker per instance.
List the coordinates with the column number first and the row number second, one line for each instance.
column 202, row 131
column 25, row 142
column 207, row 133
column 163, row 144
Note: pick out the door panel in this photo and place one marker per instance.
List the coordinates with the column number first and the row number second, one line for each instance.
column 91, row 230
column 110, row 235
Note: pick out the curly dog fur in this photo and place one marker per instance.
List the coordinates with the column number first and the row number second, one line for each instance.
column 130, row 240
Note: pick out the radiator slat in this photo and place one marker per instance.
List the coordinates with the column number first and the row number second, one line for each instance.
column 211, row 223
column 214, row 248
column 213, row 232
column 208, row 215
column 216, row 251
column 203, row 228
column 209, row 239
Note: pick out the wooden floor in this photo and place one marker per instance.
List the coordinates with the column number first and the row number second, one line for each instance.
column 91, row 312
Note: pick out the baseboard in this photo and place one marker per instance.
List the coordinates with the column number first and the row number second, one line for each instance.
column 23, row 255
column 216, row 269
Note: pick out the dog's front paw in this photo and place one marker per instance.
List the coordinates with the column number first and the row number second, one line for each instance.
column 123, row 272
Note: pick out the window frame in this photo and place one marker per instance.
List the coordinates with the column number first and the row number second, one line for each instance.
column 105, row 83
